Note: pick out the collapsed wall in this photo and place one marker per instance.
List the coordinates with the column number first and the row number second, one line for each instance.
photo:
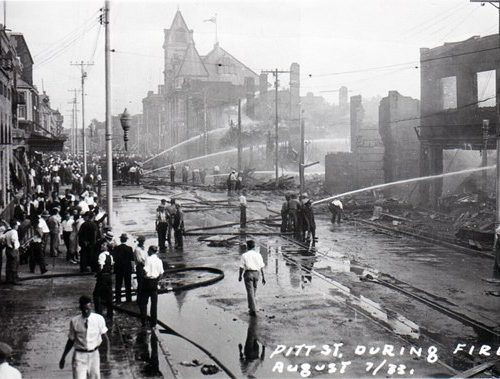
column 379, row 153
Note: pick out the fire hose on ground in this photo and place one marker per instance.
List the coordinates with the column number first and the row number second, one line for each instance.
column 166, row 329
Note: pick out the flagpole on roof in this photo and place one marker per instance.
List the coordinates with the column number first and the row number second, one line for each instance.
column 214, row 20
column 216, row 35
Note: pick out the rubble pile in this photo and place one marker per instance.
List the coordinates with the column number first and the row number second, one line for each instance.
column 466, row 218
column 284, row 183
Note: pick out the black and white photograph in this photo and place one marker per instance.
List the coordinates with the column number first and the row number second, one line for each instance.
column 249, row 189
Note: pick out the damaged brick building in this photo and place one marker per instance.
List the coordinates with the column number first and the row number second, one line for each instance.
column 458, row 87
column 456, row 111
column 380, row 152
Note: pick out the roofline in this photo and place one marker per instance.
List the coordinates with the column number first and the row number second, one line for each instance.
column 232, row 56
column 184, row 59
column 25, row 43
column 447, row 46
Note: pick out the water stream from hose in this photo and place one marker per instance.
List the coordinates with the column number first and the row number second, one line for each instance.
column 405, row 181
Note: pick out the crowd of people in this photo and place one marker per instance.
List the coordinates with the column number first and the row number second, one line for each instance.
column 297, row 217
column 60, row 213
column 169, row 217
column 197, row 175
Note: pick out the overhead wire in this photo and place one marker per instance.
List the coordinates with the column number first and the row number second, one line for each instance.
column 56, row 45
column 453, row 28
column 64, row 47
column 429, row 23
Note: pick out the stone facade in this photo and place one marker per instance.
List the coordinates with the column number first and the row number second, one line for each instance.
column 364, row 165
column 198, row 93
column 398, row 118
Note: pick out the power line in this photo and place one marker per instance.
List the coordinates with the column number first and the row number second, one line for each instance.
column 402, row 64
column 68, row 36
column 63, row 48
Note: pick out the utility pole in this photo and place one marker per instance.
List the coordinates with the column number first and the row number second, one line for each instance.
column 74, row 102
column 108, row 133
column 84, row 143
column 301, row 155
column 484, row 155
column 276, row 72
column 239, row 136
column 496, row 267
column 205, row 126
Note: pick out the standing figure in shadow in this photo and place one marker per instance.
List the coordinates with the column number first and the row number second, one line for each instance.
column 252, row 355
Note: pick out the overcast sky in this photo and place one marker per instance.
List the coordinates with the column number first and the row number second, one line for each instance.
column 327, row 38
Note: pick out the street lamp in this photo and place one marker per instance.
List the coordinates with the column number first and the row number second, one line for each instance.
column 125, row 122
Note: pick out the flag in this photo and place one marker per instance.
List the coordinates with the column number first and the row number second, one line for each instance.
column 213, row 19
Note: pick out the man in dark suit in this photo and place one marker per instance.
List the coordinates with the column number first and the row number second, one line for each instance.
column 87, row 238
column 123, row 256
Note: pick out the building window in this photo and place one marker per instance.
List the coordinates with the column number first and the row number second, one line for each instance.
column 486, row 89
column 225, row 66
column 448, row 92
column 21, row 112
column 180, row 35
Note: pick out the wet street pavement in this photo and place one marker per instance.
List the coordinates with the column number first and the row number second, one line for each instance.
column 359, row 289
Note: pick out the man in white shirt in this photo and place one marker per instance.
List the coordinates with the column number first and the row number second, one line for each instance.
column 12, row 253
column 336, row 208
column 86, row 333
column 6, row 370
column 56, row 182
column 140, row 256
column 251, row 264
column 153, row 270
column 162, row 222
column 67, row 228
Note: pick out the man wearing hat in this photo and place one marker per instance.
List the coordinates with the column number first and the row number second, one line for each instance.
column 162, row 221
column 103, row 291
column 87, row 239
column 123, row 256
column 153, row 270
column 6, row 370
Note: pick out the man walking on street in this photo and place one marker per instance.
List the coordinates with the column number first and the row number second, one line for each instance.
column 153, row 270
column 86, row 333
column 251, row 264
column 123, row 256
